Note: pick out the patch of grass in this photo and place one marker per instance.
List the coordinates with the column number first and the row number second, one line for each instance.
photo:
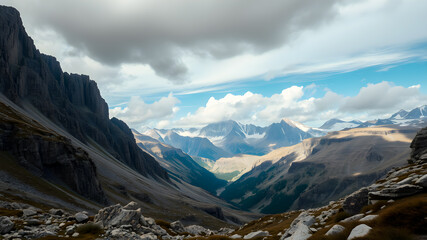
column 408, row 213
column 274, row 224
column 374, row 207
column 10, row 212
column 89, row 228
column 341, row 216
column 163, row 224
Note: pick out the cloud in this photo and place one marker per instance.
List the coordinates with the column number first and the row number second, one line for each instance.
column 149, row 48
column 138, row 113
column 372, row 101
column 160, row 32
column 383, row 97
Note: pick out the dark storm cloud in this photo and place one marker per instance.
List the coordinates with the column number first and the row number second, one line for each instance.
column 159, row 32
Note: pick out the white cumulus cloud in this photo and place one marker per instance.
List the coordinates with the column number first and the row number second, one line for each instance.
column 137, row 112
column 373, row 101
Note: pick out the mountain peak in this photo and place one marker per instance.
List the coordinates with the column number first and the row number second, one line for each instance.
column 296, row 124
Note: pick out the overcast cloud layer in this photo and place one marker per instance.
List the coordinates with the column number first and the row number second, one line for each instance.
column 136, row 48
column 159, row 32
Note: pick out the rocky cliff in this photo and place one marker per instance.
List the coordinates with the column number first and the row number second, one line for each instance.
column 48, row 154
column 419, row 147
column 71, row 101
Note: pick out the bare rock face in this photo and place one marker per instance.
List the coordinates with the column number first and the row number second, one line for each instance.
column 356, row 201
column 71, row 101
column 400, row 191
column 5, row 225
column 48, row 154
column 419, row 147
column 116, row 216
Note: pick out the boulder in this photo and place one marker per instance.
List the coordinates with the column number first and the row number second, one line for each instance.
column 359, row 231
column 353, row 218
column 57, row 212
column 81, row 217
column 197, row 230
column 302, row 232
column 6, row 225
column 304, row 218
column 256, row 234
column 225, row 231
column 396, row 192
column 177, row 227
column 131, row 206
column 356, row 201
column 368, row 218
column 116, row 215
column 148, row 236
column 422, row 181
column 419, row 147
column 335, row 230
column 29, row 212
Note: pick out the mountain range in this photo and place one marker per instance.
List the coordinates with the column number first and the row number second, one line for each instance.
column 230, row 138
column 319, row 170
column 416, row 117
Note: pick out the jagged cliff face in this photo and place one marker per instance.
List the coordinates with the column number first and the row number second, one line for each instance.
column 69, row 100
column 48, row 154
column 419, row 147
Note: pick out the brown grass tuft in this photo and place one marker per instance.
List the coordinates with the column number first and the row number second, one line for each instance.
column 89, row 228
column 341, row 216
column 374, row 207
column 10, row 212
column 409, row 213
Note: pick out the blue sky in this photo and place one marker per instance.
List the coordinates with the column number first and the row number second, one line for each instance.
column 254, row 62
column 348, row 83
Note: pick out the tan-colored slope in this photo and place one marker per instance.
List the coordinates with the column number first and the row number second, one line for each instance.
column 318, row 170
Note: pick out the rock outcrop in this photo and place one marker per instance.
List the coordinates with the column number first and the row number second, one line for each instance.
column 419, row 147
column 115, row 222
column 71, row 101
column 48, row 154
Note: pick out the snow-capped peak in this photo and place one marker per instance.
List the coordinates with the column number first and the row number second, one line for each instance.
column 296, row 124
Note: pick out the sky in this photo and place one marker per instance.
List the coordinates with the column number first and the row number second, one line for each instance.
column 188, row 63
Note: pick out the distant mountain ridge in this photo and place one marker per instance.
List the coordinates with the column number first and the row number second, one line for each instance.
column 415, row 117
column 319, row 170
column 229, row 138
column 179, row 164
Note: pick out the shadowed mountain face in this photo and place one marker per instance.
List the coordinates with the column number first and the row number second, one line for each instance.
column 179, row 164
column 47, row 154
column 195, row 146
column 36, row 82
